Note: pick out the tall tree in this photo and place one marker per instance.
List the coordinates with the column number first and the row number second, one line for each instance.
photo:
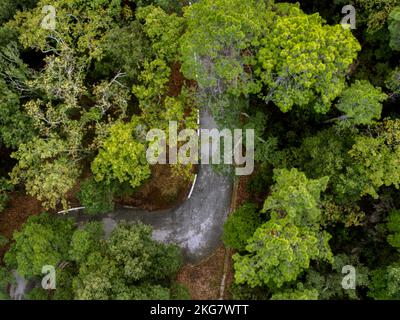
column 302, row 61
column 278, row 252
column 361, row 103
column 70, row 114
column 122, row 157
column 130, row 265
column 43, row 240
column 217, row 46
column 296, row 197
column 282, row 248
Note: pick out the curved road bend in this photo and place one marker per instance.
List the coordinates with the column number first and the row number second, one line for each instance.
column 196, row 225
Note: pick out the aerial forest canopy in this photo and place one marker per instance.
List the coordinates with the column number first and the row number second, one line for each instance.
column 77, row 100
column 106, row 67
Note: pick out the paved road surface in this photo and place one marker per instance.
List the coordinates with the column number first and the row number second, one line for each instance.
column 197, row 224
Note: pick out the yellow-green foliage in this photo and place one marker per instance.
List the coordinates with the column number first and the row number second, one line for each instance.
column 303, row 61
column 362, row 102
column 122, row 157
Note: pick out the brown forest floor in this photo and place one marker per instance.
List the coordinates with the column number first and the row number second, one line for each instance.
column 204, row 279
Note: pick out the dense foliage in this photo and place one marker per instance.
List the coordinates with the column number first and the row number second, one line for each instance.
column 77, row 100
column 127, row 265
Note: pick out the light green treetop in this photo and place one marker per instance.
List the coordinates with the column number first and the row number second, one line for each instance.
column 122, row 157
column 302, row 61
column 217, row 44
column 295, row 196
column 282, row 248
column 362, row 102
column 278, row 252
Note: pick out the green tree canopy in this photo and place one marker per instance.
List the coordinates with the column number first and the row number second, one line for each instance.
column 358, row 163
column 393, row 226
column 240, row 226
column 46, row 170
column 278, row 252
column 295, row 196
column 282, row 248
column 216, row 47
column 303, row 61
column 122, row 157
column 385, row 283
column 296, row 294
column 43, row 240
column 85, row 241
column 96, row 197
column 129, row 265
column 394, row 28
column 9, row 7
column 328, row 282
column 362, row 103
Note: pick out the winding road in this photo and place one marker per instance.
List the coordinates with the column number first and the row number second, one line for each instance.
column 196, row 225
